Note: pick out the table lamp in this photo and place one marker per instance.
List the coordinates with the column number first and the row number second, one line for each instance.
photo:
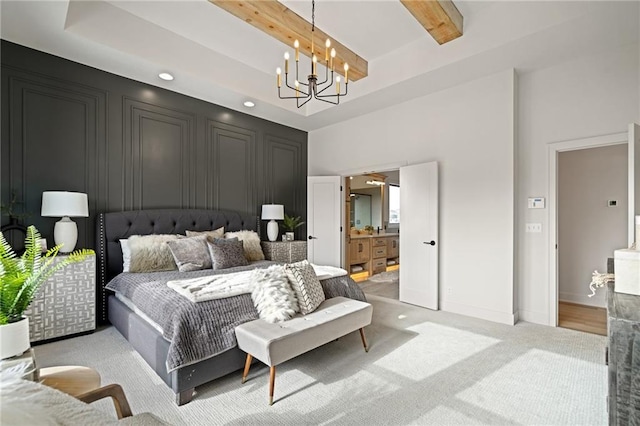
column 272, row 212
column 65, row 205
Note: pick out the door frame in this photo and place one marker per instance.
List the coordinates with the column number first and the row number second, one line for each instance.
column 554, row 149
column 345, row 183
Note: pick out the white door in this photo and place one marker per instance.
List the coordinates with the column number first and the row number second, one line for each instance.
column 634, row 180
column 323, row 220
column 419, row 234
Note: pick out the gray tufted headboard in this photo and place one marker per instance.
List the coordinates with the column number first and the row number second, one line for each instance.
column 111, row 227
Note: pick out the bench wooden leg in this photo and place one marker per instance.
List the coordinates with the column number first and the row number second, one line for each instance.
column 272, row 383
column 364, row 340
column 247, row 365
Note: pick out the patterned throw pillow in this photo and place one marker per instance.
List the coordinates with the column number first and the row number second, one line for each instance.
column 150, row 253
column 191, row 254
column 251, row 242
column 273, row 296
column 226, row 253
column 306, row 285
column 216, row 233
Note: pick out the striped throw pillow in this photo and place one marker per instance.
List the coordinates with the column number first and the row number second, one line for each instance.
column 306, row 285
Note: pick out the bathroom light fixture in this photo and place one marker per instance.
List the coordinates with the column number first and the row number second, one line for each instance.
column 249, row 104
column 375, row 182
column 165, row 76
column 313, row 89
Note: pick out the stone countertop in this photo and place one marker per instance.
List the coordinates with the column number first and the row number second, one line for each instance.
column 622, row 306
column 374, row 235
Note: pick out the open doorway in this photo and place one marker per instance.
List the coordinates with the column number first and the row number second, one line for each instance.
column 592, row 208
column 372, row 218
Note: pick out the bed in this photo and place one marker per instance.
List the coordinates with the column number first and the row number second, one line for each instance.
column 161, row 341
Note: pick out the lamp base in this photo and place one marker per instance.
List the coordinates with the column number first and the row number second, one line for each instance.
column 272, row 230
column 65, row 233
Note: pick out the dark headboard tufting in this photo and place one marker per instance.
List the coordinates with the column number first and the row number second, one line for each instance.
column 111, row 227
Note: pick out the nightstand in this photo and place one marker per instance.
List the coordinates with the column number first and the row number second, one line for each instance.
column 65, row 304
column 285, row 251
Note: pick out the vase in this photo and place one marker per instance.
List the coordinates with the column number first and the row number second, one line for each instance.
column 14, row 338
column 290, row 236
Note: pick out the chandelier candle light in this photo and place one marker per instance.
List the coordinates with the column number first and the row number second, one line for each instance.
column 313, row 88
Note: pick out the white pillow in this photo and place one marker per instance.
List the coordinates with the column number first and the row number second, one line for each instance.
column 126, row 255
column 273, row 296
column 250, row 243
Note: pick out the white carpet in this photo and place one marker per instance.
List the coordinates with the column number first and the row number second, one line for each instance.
column 424, row 367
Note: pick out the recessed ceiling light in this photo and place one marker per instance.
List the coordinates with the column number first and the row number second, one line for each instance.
column 249, row 104
column 165, row 76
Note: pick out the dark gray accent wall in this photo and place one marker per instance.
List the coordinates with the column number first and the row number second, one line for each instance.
column 130, row 145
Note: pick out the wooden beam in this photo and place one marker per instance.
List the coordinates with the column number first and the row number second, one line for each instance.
column 440, row 18
column 283, row 24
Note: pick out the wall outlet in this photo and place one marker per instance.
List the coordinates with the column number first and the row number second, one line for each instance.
column 534, row 228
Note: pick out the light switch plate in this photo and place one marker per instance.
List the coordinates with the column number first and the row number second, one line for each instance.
column 533, row 228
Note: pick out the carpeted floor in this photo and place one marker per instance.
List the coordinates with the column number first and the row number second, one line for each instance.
column 385, row 284
column 388, row 289
column 424, row 367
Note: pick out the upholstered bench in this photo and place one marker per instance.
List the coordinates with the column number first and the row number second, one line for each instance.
column 274, row 343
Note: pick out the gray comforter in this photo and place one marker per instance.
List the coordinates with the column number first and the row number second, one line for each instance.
column 198, row 331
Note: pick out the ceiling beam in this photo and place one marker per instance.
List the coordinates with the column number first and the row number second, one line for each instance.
column 283, row 24
column 441, row 18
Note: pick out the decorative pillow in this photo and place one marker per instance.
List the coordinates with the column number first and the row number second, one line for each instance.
column 126, row 255
column 251, row 243
column 273, row 296
column 226, row 254
column 216, row 233
column 306, row 285
column 150, row 253
column 191, row 254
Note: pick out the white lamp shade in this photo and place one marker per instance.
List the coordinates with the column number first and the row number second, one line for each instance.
column 63, row 203
column 272, row 211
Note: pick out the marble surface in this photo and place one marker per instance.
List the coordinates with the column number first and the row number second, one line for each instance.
column 623, row 323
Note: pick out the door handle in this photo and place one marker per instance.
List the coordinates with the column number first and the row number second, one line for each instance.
column 431, row 243
column 311, row 237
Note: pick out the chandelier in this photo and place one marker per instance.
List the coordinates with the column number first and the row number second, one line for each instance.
column 304, row 92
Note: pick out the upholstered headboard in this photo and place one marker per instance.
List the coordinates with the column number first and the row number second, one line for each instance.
column 111, row 227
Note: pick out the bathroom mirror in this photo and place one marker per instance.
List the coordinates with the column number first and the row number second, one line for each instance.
column 360, row 210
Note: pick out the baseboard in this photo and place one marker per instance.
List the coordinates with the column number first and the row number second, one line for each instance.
column 582, row 299
column 534, row 317
column 473, row 311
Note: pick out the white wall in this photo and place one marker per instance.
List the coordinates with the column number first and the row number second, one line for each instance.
column 591, row 96
column 589, row 230
column 469, row 130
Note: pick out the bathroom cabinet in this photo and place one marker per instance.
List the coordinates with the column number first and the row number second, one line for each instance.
column 372, row 254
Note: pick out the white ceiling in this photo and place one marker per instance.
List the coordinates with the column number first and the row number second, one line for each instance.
column 219, row 58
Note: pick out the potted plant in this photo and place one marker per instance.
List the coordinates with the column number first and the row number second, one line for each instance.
column 290, row 223
column 20, row 279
